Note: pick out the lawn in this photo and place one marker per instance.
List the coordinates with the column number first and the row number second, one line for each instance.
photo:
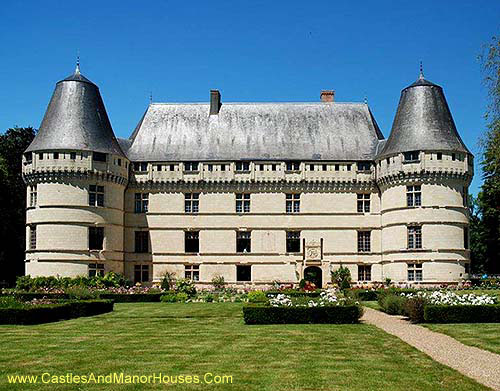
column 482, row 335
column 193, row 339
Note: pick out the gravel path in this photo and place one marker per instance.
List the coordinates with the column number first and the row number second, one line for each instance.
column 478, row 364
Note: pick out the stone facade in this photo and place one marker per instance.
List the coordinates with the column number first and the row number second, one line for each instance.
column 394, row 216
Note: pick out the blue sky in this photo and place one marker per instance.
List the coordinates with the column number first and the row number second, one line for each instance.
column 251, row 51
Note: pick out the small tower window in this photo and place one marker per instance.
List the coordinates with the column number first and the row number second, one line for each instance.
column 414, row 195
column 96, row 195
column 56, row 155
column 364, row 203
column 453, row 156
column 33, row 195
column 72, row 155
column 32, row 244
column 411, row 157
column 414, row 237
column 440, row 156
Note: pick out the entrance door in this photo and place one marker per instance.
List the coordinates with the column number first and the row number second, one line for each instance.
column 314, row 274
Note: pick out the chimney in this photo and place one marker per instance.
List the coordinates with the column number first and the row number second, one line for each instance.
column 327, row 95
column 214, row 102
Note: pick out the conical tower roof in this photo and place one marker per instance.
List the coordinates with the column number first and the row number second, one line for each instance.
column 76, row 119
column 423, row 122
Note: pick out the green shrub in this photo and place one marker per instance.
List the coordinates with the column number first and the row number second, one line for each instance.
column 218, row 282
column 260, row 314
column 80, row 292
column 168, row 280
column 393, row 304
column 186, row 286
column 414, row 309
column 342, row 278
column 111, row 279
column 293, row 293
column 54, row 312
column 257, row 297
column 364, row 294
column 181, row 297
column 170, row 297
column 462, row 313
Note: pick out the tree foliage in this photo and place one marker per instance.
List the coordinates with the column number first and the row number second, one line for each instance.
column 13, row 201
column 489, row 196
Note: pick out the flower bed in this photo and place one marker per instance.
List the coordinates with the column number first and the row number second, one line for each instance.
column 329, row 307
column 44, row 311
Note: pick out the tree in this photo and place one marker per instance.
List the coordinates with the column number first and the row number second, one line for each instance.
column 477, row 237
column 342, row 278
column 489, row 196
column 13, row 202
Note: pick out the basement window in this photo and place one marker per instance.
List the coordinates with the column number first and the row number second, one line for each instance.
column 243, row 273
column 96, row 269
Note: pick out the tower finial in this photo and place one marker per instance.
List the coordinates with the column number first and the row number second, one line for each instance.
column 421, row 73
column 150, row 97
column 77, row 70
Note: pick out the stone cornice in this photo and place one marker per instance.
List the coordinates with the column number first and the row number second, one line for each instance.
column 65, row 175
column 351, row 185
column 403, row 177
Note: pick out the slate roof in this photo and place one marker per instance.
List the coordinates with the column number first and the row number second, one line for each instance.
column 76, row 119
column 423, row 122
column 256, row 131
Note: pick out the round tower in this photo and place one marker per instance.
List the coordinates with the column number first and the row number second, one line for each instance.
column 423, row 172
column 76, row 175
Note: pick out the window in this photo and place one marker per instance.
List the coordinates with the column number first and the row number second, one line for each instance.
column 99, row 157
column 293, row 242
column 242, row 203
column 243, row 273
column 242, row 166
column 467, row 268
column 72, row 155
column 415, row 237
column 243, row 242
column 364, row 272
column 324, row 167
column 364, row 241
column 141, row 273
column 29, row 157
column 191, row 202
column 388, row 160
column 415, row 272
column 141, row 203
column 363, row 203
column 439, row 156
column 466, row 238
column 141, row 167
column 33, row 195
column 292, row 203
column 56, row 155
column 453, row 157
column 96, row 238
column 192, row 272
column 348, row 167
column 414, row 195
column 292, row 166
column 96, row 195
column 311, row 167
column 32, row 237
column 273, row 167
column 337, row 167
column 172, row 167
column 96, row 269
column 364, row 166
column 223, row 167
column 141, row 241
column 40, row 156
column 411, row 157
column 192, row 241
column 120, row 162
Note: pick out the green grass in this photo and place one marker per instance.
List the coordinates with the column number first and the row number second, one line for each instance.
column 482, row 335
column 192, row 339
column 371, row 304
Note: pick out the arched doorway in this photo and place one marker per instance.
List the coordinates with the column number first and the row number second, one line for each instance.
column 314, row 274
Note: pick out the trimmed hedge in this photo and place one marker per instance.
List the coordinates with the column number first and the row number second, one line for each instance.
column 54, row 312
column 132, row 298
column 462, row 313
column 364, row 294
column 116, row 297
column 259, row 314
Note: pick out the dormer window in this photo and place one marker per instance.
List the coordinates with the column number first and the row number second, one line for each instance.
column 72, row 155
column 411, row 157
column 364, row 166
column 56, row 155
column 142, row 166
column 29, row 157
column 99, row 157
column 292, row 166
column 191, row 166
column 242, row 166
